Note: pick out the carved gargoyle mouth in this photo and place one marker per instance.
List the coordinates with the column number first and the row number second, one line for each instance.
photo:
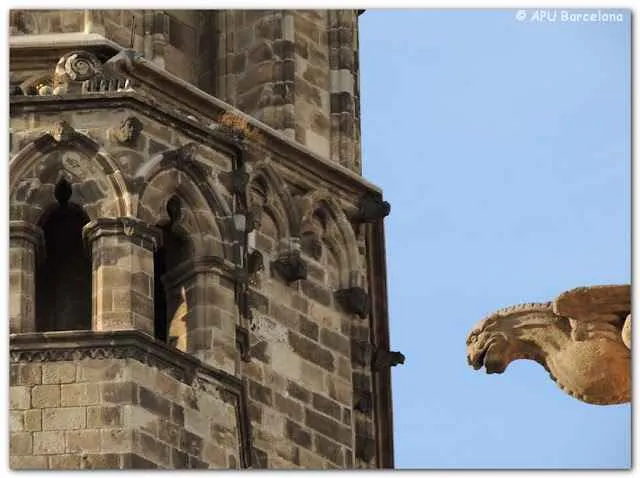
column 488, row 358
column 477, row 360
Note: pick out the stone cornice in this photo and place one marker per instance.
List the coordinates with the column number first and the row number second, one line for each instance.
column 161, row 85
column 135, row 345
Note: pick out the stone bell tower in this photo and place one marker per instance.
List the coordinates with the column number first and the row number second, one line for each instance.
column 197, row 266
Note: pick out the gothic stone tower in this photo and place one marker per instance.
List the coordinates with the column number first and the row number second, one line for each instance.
column 197, row 267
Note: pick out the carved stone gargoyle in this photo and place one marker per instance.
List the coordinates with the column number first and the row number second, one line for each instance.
column 372, row 208
column 386, row 358
column 582, row 338
column 354, row 300
column 290, row 266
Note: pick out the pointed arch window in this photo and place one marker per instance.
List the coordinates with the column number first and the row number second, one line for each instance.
column 170, row 307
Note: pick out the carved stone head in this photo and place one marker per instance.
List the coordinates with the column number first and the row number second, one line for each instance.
column 495, row 341
column 62, row 131
column 129, row 131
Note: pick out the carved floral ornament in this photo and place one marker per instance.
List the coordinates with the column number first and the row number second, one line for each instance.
column 582, row 338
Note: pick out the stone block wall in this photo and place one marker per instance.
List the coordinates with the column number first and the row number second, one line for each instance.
column 110, row 413
column 68, row 415
column 297, row 71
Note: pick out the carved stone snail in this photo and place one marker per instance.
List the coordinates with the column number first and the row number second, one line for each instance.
column 582, row 339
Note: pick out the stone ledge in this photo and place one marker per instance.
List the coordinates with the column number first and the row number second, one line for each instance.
column 132, row 344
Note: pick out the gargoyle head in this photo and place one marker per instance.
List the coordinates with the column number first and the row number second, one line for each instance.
column 498, row 340
column 487, row 348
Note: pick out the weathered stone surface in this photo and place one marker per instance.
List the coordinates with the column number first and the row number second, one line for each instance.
column 45, row 396
column 578, row 338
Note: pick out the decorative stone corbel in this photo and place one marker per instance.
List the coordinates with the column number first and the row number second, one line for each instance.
column 372, row 208
column 385, row 358
column 290, row 266
column 128, row 131
column 62, row 132
column 354, row 300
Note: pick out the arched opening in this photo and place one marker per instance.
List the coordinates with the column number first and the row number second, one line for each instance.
column 169, row 301
column 63, row 280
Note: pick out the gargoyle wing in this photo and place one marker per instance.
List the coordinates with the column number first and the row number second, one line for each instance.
column 596, row 303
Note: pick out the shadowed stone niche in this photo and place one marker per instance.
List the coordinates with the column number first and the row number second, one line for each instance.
column 63, row 279
column 122, row 263
column 385, row 358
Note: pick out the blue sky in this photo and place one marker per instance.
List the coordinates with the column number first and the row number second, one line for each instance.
column 504, row 149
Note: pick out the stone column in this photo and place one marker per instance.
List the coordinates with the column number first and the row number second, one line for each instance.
column 344, row 79
column 26, row 243
column 211, row 310
column 122, row 264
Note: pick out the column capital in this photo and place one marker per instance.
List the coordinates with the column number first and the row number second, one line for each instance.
column 141, row 233
column 29, row 232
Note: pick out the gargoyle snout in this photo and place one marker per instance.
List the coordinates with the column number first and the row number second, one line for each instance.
column 474, row 351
